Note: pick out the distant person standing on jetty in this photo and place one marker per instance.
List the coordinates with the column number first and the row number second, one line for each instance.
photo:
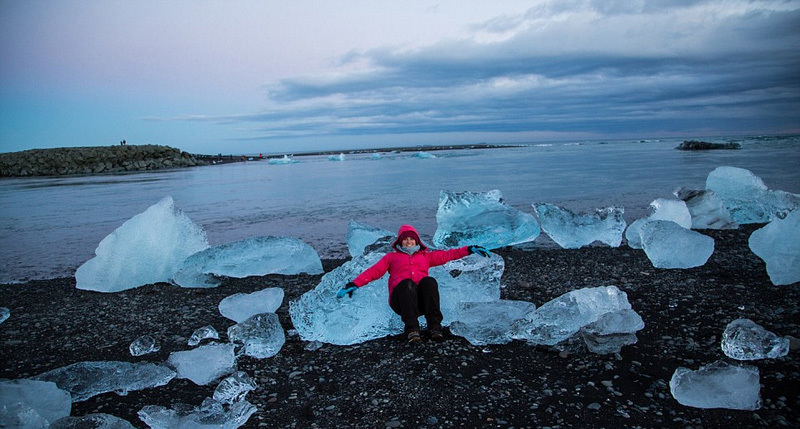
column 412, row 292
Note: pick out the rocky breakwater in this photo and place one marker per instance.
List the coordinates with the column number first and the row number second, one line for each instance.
column 93, row 160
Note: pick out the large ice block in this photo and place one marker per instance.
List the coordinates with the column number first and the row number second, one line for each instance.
column 241, row 306
column 778, row 244
column 489, row 322
column 261, row 335
column 92, row 421
column 660, row 209
column 747, row 197
column 744, row 339
column 205, row 363
column 211, row 414
column 718, row 385
column 669, row 245
column 360, row 235
column 572, row 231
column 707, row 209
column 32, row 403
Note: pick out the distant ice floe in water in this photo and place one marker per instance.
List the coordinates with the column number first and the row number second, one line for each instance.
column 718, row 385
column 148, row 248
column 572, row 231
column 424, row 155
column 778, row 244
column 744, row 339
column 747, row 197
column 339, row 157
column 377, row 156
column 360, row 235
column 707, row 210
column 660, row 209
column 285, row 160
column 481, row 218
column 241, row 306
column 253, row 256
column 668, row 245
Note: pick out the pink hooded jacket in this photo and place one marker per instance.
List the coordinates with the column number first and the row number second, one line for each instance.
column 402, row 266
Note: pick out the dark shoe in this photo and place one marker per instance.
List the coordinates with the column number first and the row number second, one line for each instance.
column 437, row 335
column 413, row 337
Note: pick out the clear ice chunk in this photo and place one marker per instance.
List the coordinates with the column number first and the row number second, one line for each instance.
column 466, row 218
column 339, row 157
column 5, row 313
column 205, row 333
column 209, row 415
column 612, row 331
column 92, row 421
column 241, row 306
column 205, row 363
column 424, row 155
column 144, row 345
column 706, row 208
column 286, row 159
column 743, row 339
column 747, row 197
column 483, row 323
column 253, row 256
column 572, row 231
column 28, row 403
column 147, row 248
column 261, row 335
column 234, row 388
column 718, row 385
column 360, row 235
column 778, row 244
column 668, row 245
column 84, row 380
column 660, row 209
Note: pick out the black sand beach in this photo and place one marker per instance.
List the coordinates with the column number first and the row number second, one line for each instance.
column 386, row 383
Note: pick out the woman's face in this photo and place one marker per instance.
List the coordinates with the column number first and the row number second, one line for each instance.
column 408, row 242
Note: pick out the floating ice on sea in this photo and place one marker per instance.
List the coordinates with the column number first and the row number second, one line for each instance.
column 286, row 159
column 669, row 245
column 254, row 256
column 205, row 333
column 5, row 313
column 147, row 248
column 778, row 244
column 144, row 345
column 718, row 385
column 339, row 157
column 261, row 335
column 31, row 403
column 748, row 198
column 205, row 363
column 483, row 323
column 241, row 306
column 92, row 421
column 377, row 156
column 234, row 388
column 424, row 155
column 612, row 331
column 743, row 339
column 86, row 379
column 466, row 218
column 572, row 231
column 360, row 235
column 707, row 209
column 661, row 209
column 210, row 414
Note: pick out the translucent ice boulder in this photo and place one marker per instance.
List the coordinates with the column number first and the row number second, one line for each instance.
column 254, row 256
column 210, row 414
column 490, row 322
column 286, row 159
column 204, row 333
column 612, row 331
column 778, row 244
column 707, row 210
column 339, row 157
column 743, row 339
column 144, row 345
column 92, row 421
column 660, row 209
column 748, row 198
column 261, row 336
column 718, row 385
column 241, row 306
column 147, row 248
column 572, row 231
column 84, row 380
column 668, row 245
column 360, row 235
column 465, row 218
column 31, row 403
column 205, row 363
column 234, row 388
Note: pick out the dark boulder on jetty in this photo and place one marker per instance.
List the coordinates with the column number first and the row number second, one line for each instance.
column 701, row 145
column 93, row 160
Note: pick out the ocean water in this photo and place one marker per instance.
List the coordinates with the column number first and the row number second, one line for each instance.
column 50, row 226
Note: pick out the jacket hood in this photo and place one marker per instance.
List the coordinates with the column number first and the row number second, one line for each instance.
column 409, row 230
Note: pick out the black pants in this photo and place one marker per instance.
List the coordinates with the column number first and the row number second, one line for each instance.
column 411, row 300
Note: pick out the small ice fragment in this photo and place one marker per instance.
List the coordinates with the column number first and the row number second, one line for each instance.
column 718, row 385
column 234, row 388
column 241, row 306
column 144, row 345
column 743, row 339
column 210, row 414
column 205, row 363
column 5, row 313
column 205, row 333
column 261, row 335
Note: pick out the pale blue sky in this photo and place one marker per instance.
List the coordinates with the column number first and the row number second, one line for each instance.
column 274, row 77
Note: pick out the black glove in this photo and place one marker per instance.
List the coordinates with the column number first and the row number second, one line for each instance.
column 348, row 290
column 479, row 250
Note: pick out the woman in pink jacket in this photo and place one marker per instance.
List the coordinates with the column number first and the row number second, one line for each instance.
column 412, row 292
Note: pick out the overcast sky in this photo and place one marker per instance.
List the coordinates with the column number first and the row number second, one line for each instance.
column 280, row 76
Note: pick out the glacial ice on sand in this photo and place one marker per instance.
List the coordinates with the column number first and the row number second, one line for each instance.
column 204, row 333
column 778, row 244
column 144, row 345
column 92, row 421
column 360, row 235
column 718, row 385
column 253, row 256
column 661, row 209
column 147, row 248
column 481, row 218
column 241, row 306
column 261, row 335
column 743, row 339
column 483, row 323
column 234, row 388
column 84, row 380
column 205, row 363
column 572, row 231
column 28, row 403
column 748, row 198
column 210, row 414
column 612, row 331
column 669, row 245
column 706, row 208
column 5, row 313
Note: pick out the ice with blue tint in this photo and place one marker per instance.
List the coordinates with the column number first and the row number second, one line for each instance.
column 778, row 244
column 661, row 209
column 241, row 306
column 204, row 333
column 92, row 421
column 748, row 198
column 718, row 385
column 744, row 339
column 339, row 157
column 234, row 388
column 668, row 245
column 28, row 403
column 424, row 155
column 483, row 323
column 253, row 256
column 377, row 156
column 481, row 218
column 261, row 335
column 148, row 248
column 360, row 235
column 211, row 414
column 5, row 313
column 84, row 380
column 144, row 345
column 318, row 315
column 286, row 159
column 706, row 208
column 205, row 363
column 612, row 331
column 572, row 231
